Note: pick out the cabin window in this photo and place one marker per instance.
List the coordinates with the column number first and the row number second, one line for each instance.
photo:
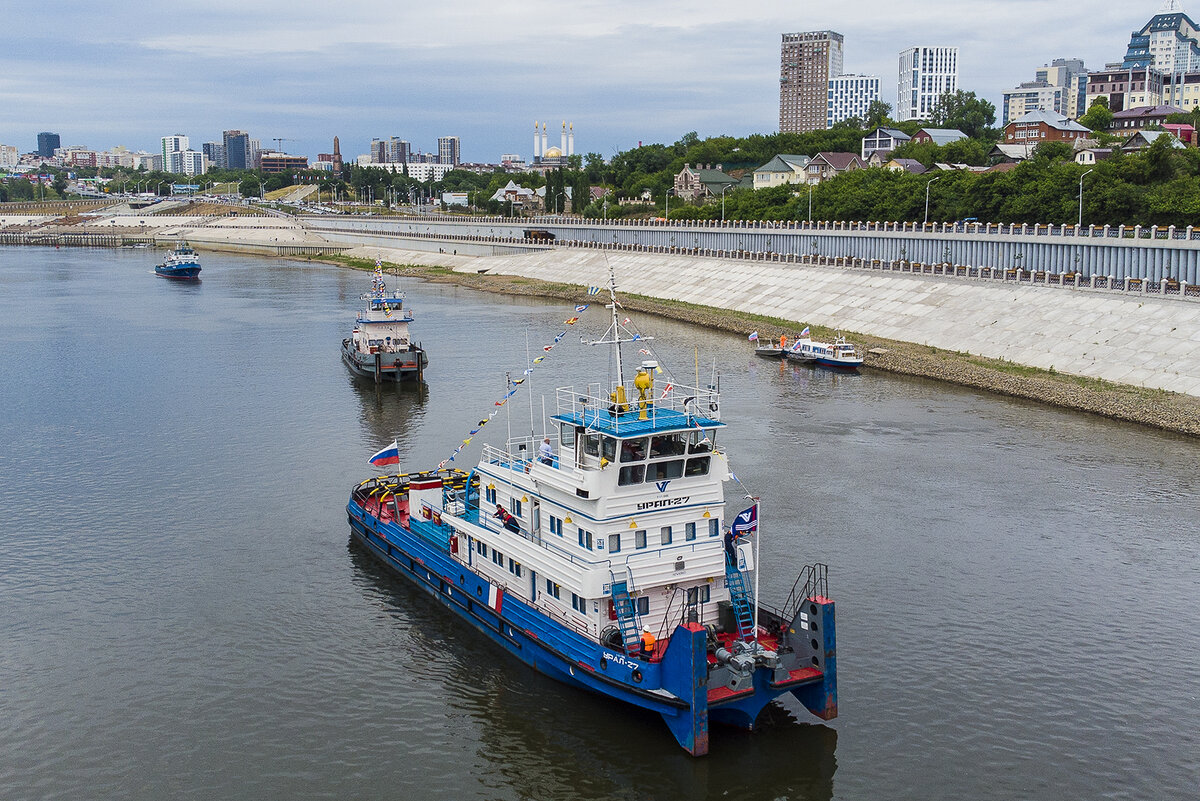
column 482, row 548
column 667, row 445
column 639, row 539
column 497, row 557
column 608, row 448
column 660, row 471
column 555, row 525
column 585, row 539
column 702, row 441
column 591, row 444
column 632, row 474
column 514, row 506
column 697, row 466
column 643, row 605
column 633, row 450
column 714, row 527
column 490, row 494
column 579, row 604
column 514, row 567
column 698, row 595
column 666, row 535
column 566, row 435
column 689, row 531
column 553, row 589
column 614, row 543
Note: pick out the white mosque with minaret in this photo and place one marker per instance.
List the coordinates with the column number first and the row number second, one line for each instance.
column 545, row 157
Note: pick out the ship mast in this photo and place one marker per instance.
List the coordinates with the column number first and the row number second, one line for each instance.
column 612, row 336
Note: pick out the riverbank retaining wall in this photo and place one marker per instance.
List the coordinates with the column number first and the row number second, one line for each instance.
column 1147, row 341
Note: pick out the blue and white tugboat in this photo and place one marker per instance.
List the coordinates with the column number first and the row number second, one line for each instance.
column 182, row 264
column 597, row 555
column 380, row 347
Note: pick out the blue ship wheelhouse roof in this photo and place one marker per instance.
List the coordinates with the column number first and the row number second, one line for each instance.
column 626, row 425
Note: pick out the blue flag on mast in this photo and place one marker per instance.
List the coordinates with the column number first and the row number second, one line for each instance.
column 746, row 522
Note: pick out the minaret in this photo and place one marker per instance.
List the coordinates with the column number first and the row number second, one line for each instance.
column 571, row 141
column 543, row 140
column 537, row 150
column 562, row 148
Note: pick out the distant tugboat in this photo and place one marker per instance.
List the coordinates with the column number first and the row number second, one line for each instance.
column 183, row 264
column 380, row 347
column 595, row 553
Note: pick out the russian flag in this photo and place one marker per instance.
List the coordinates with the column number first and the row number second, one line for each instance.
column 805, row 332
column 390, row 454
column 753, row 337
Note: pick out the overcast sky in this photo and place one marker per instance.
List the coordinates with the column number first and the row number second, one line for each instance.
column 127, row 73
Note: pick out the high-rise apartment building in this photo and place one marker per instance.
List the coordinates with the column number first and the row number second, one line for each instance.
column 1169, row 42
column 926, row 73
column 398, row 150
column 1060, row 86
column 237, row 149
column 47, row 144
column 450, row 150
column 174, row 143
column 807, row 62
column 379, row 151
column 214, row 152
column 186, row 162
column 850, row 96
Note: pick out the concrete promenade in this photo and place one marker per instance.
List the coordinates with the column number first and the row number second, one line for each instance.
column 1145, row 341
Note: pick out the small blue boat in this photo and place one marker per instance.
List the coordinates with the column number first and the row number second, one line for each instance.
column 183, row 264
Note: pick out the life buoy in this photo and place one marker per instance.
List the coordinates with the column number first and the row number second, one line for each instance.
column 712, row 407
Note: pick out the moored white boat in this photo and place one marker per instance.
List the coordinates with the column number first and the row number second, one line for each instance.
column 839, row 353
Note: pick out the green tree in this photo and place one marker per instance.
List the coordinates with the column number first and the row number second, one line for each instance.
column 878, row 114
column 1098, row 117
column 963, row 111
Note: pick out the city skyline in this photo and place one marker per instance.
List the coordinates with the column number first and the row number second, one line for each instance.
column 123, row 76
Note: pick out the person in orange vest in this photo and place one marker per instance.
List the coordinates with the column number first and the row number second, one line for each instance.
column 647, row 643
column 782, row 341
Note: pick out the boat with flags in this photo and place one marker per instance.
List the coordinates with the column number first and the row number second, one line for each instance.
column 596, row 550
column 839, row 354
column 181, row 264
column 380, row 346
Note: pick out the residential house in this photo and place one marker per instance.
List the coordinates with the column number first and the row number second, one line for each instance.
column 1183, row 132
column 693, row 183
column 938, row 136
column 906, row 165
column 1140, row 118
column 783, row 169
column 1143, row 139
column 1090, row 155
column 882, row 139
column 1011, row 154
column 826, row 165
column 519, row 196
column 1043, row 126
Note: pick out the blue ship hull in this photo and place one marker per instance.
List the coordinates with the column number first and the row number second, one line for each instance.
column 676, row 687
column 188, row 273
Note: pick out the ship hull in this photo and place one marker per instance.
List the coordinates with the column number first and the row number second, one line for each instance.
column 404, row 366
column 675, row 687
column 191, row 273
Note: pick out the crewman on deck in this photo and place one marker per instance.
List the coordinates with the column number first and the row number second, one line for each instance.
column 647, row 643
column 546, row 453
column 507, row 519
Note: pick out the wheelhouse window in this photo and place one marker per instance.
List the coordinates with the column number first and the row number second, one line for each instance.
column 633, row 450
column 591, row 444
column 608, row 448
column 660, row 471
column 566, row 435
column 702, row 441
column 631, row 474
column 697, row 466
column 667, row 445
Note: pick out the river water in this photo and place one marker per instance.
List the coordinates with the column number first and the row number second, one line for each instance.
column 183, row 615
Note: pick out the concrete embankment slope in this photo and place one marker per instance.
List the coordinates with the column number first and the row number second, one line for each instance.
column 1142, row 341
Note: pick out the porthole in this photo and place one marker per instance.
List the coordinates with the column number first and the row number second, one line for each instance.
column 815, row 645
column 816, row 662
column 637, row 676
column 812, row 609
column 603, row 663
column 479, row 592
column 462, row 579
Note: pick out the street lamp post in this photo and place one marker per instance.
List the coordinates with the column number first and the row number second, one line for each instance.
column 927, row 185
column 723, row 188
column 1081, row 196
column 667, row 204
column 810, row 189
